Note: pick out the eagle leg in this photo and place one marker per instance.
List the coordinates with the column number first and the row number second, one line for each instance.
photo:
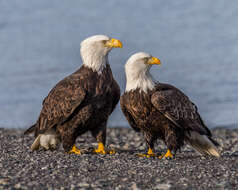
column 100, row 135
column 150, row 139
column 68, row 137
column 74, row 150
column 101, row 149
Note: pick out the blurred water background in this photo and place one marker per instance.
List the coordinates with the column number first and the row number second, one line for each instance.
column 197, row 42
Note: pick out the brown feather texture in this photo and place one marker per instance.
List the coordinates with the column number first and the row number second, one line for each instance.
column 80, row 102
column 163, row 112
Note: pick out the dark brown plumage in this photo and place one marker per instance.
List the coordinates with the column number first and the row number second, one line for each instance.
column 79, row 103
column 166, row 113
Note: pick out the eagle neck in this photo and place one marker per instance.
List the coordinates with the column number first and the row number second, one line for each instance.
column 94, row 60
column 142, row 81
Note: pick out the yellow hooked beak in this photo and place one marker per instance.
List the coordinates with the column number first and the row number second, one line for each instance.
column 154, row 61
column 114, row 43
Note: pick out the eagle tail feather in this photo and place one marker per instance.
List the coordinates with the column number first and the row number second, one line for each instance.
column 203, row 144
column 36, row 143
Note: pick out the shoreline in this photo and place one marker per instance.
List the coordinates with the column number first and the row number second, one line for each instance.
column 21, row 168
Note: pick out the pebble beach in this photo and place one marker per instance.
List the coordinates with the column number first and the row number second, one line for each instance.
column 20, row 168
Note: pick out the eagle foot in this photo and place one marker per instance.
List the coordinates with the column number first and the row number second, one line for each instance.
column 168, row 155
column 74, row 150
column 149, row 154
column 101, row 150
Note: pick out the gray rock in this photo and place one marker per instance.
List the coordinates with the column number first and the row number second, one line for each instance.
column 21, row 168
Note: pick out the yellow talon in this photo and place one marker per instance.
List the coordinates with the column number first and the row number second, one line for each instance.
column 101, row 150
column 149, row 154
column 112, row 151
column 167, row 155
column 74, row 150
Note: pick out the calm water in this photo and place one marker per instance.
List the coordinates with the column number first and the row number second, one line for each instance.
column 197, row 42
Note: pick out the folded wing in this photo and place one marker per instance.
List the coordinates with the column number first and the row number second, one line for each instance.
column 177, row 107
column 61, row 102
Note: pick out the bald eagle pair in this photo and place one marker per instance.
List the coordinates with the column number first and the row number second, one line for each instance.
column 84, row 100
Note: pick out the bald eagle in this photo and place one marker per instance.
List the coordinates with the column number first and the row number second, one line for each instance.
column 161, row 111
column 80, row 102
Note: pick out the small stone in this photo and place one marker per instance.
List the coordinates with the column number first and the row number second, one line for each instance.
column 83, row 184
column 17, row 186
column 163, row 186
column 134, row 186
column 3, row 181
column 224, row 184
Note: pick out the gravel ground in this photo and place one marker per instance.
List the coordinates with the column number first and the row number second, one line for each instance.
column 22, row 169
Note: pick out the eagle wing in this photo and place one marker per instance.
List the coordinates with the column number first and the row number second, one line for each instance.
column 128, row 115
column 61, row 103
column 177, row 107
column 116, row 94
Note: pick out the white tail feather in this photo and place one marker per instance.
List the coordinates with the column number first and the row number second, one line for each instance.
column 36, row 143
column 48, row 140
column 202, row 144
